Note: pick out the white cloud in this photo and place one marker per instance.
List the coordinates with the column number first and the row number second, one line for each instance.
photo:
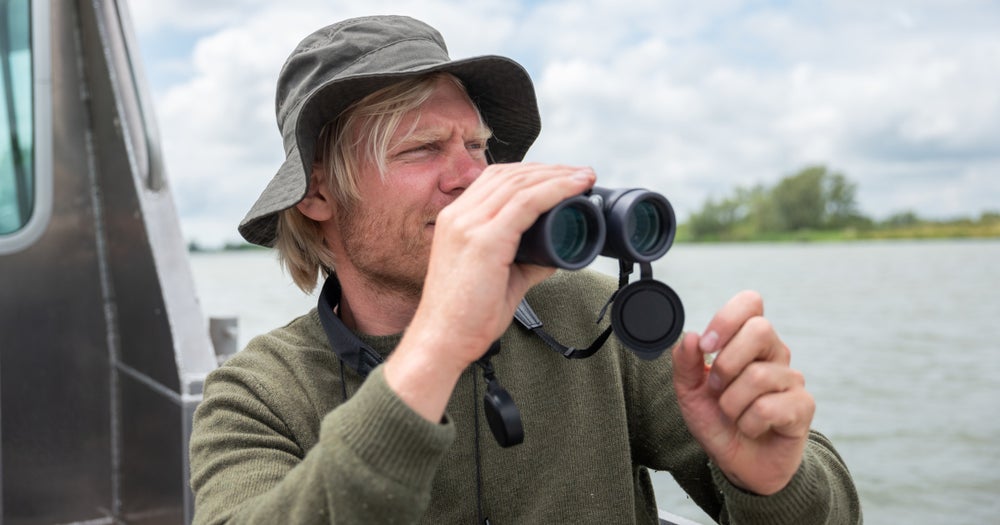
column 191, row 15
column 688, row 98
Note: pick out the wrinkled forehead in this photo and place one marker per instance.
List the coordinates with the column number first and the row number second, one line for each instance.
column 446, row 111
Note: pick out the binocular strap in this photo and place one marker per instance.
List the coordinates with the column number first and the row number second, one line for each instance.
column 530, row 320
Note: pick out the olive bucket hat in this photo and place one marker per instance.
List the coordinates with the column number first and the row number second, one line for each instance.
column 342, row 63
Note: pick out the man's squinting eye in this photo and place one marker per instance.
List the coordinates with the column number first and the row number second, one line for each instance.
column 418, row 148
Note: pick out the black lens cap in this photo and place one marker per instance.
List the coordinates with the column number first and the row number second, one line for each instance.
column 503, row 415
column 647, row 317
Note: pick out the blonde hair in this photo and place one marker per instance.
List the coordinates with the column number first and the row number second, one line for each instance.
column 358, row 138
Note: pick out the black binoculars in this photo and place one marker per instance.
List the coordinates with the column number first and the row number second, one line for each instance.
column 630, row 224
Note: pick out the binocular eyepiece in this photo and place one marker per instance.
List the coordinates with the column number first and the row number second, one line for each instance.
column 630, row 224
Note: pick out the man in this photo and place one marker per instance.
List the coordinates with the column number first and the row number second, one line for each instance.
column 403, row 186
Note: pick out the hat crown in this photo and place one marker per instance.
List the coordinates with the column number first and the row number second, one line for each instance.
column 369, row 45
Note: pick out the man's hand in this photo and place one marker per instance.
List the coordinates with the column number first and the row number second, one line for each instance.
column 472, row 279
column 473, row 284
column 750, row 411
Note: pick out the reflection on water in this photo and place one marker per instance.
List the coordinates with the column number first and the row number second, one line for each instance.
column 898, row 341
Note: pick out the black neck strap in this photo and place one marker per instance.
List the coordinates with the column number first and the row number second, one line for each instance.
column 530, row 320
column 363, row 359
column 352, row 351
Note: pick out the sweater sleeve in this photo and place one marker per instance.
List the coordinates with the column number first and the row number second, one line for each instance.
column 821, row 491
column 373, row 462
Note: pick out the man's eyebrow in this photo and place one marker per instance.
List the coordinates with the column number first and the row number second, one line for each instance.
column 483, row 133
column 435, row 134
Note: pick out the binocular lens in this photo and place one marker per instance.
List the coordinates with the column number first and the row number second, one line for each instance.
column 643, row 227
column 629, row 224
column 570, row 234
column 640, row 223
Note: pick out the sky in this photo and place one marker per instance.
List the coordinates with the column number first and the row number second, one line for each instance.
column 690, row 99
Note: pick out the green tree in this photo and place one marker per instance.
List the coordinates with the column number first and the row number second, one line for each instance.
column 989, row 217
column 814, row 198
column 762, row 215
column 841, row 202
column 902, row 219
column 800, row 199
column 715, row 219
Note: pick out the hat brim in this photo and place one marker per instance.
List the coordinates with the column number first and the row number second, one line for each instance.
column 499, row 87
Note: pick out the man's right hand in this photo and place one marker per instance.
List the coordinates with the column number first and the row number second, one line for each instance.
column 473, row 284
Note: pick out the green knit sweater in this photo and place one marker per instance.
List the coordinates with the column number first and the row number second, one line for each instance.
column 275, row 440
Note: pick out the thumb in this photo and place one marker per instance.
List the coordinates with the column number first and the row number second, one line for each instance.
column 689, row 363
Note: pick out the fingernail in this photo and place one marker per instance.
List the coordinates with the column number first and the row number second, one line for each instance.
column 583, row 175
column 708, row 342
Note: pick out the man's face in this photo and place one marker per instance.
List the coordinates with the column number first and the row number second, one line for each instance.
column 437, row 151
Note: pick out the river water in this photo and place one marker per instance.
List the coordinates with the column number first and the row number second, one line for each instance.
column 898, row 341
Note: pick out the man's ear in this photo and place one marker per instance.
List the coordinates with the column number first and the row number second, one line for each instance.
column 318, row 204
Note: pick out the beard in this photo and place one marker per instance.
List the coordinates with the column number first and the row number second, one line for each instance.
column 389, row 251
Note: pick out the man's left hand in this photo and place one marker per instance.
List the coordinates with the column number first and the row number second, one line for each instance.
column 750, row 411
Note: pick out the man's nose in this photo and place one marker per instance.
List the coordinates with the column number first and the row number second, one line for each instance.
column 463, row 168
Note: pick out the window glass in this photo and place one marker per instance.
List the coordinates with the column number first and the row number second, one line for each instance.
column 17, row 181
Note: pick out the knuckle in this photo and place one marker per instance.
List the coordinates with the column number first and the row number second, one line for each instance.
column 753, row 299
column 728, row 406
column 768, row 409
column 516, row 178
column 758, row 374
column 798, row 378
column 809, row 403
column 722, row 368
column 520, row 200
column 751, row 424
column 759, row 327
column 783, row 353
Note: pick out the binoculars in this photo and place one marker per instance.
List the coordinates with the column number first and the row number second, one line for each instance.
column 631, row 224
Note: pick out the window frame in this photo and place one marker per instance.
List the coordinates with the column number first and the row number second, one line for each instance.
column 41, row 116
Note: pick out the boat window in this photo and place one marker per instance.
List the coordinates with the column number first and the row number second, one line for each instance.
column 25, row 123
column 17, row 191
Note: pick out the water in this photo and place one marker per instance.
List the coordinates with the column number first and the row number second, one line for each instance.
column 898, row 342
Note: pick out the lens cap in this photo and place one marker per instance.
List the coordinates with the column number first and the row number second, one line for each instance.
column 647, row 317
column 503, row 415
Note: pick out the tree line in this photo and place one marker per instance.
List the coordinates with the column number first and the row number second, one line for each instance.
column 812, row 204
column 815, row 203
